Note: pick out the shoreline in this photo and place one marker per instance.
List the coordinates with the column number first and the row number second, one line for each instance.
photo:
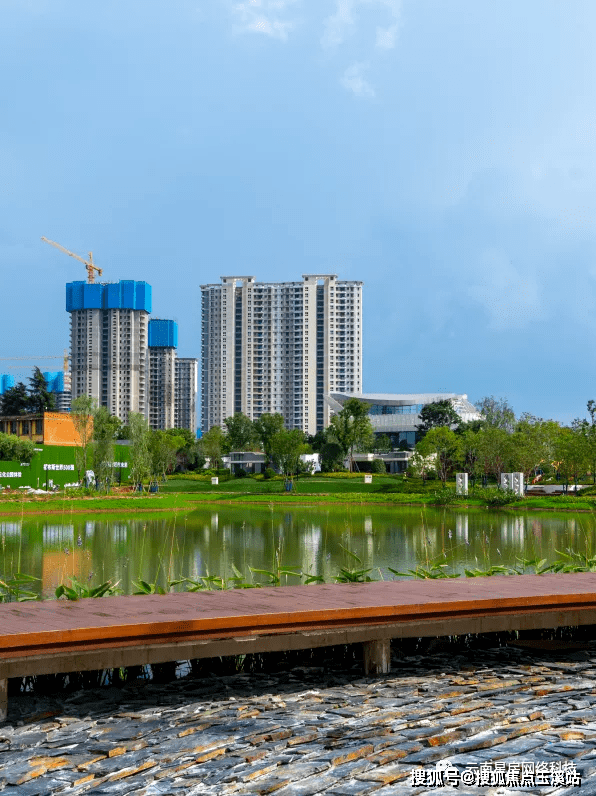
column 191, row 501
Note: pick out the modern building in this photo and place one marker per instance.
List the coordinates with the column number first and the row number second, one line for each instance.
column 398, row 416
column 186, row 370
column 279, row 347
column 163, row 340
column 6, row 382
column 109, row 343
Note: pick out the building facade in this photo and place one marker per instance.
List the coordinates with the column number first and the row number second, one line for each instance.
column 398, row 416
column 186, row 370
column 279, row 347
column 163, row 340
column 109, row 343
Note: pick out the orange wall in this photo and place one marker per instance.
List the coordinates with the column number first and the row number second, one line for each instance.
column 58, row 429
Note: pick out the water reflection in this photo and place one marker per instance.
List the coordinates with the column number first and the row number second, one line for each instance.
column 315, row 541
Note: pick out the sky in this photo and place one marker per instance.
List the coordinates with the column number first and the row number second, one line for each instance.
column 442, row 151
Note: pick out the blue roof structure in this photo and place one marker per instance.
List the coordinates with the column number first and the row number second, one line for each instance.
column 6, row 382
column 55, row 380
column 163, row 334
column 124, row 295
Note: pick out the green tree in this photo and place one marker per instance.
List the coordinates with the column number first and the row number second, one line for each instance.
column 212, row 443
column 590, row 434
column 140, row 456
column 332, row 457
column 445, row 445
column 496, row 412
column 286, row 449
column 189, row 453
column 422, row 462
column 163, row 448
column 266, row 427
column 240, row 432
column 470, row 453
column 494, row 451
column 14, row 449
column 436, row 414
column 351, row 428
column 382, row 444
column 40, row 398
column 82, row 410
column 15, row 400
column 532, row 443
column 572, row 453
column 105, row 431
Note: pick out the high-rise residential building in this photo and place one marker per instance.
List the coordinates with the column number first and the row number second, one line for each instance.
column 185, row 393
column 163, row 340
column 279, row 347
column 108, row 343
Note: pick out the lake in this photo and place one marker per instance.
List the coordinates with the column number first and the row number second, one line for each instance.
column 315, row 540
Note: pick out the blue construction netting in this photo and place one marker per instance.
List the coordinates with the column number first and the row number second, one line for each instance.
column 6, row 382
column 55, row 380
column 124, row 295
column 163, row 334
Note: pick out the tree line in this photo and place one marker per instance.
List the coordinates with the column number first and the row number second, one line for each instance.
column 25, row 400
column 500, row 442
column 152, row 454
column 350, row 430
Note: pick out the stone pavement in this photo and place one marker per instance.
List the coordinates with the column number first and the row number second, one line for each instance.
column 311, row 730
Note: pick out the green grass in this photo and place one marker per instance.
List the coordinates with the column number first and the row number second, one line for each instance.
column 183, row 494
column 309, row 485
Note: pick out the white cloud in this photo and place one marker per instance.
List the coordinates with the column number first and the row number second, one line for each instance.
column 354, row 81
column 264, row 16
column 342, row 23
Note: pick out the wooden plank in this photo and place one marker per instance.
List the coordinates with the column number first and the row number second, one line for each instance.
column 283, row 609
column 95, row 633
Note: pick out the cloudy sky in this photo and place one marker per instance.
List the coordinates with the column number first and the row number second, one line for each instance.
column 442, row 151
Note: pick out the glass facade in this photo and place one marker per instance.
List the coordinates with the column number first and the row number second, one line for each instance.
column 384, row 409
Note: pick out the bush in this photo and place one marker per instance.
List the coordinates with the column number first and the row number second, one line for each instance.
column 444, row 497
column 269, row 473
column 342, row 474
column 497, row 497
column 240, row 473
column 378, row 466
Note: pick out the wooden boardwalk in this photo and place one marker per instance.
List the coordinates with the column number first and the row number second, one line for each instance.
column 109, row 632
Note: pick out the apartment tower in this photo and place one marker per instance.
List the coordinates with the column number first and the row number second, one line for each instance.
column 163, row 341
column 279, row 347
column 109, row 343
column 185, row 393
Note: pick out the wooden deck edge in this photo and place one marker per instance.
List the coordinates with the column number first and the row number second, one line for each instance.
column 160, row 633
column 116, row 657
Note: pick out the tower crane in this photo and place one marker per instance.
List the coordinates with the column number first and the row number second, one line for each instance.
column 89, row 264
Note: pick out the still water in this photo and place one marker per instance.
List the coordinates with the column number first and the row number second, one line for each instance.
column 158, row 548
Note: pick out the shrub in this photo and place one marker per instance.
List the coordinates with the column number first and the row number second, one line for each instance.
column 497, row 497
column 240, row 473
column 378, row 466
column 269, row 472
column 444, row 497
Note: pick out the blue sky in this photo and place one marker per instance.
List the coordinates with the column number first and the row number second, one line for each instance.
column 443, row 151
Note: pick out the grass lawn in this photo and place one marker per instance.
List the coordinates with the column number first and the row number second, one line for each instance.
column 184, row 494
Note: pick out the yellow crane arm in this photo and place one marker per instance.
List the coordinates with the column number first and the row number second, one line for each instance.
column 89, row 264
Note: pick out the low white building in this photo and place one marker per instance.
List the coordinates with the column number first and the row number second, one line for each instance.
column 398, row 415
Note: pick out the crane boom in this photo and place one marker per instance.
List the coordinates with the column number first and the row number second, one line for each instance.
column 89, row 264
